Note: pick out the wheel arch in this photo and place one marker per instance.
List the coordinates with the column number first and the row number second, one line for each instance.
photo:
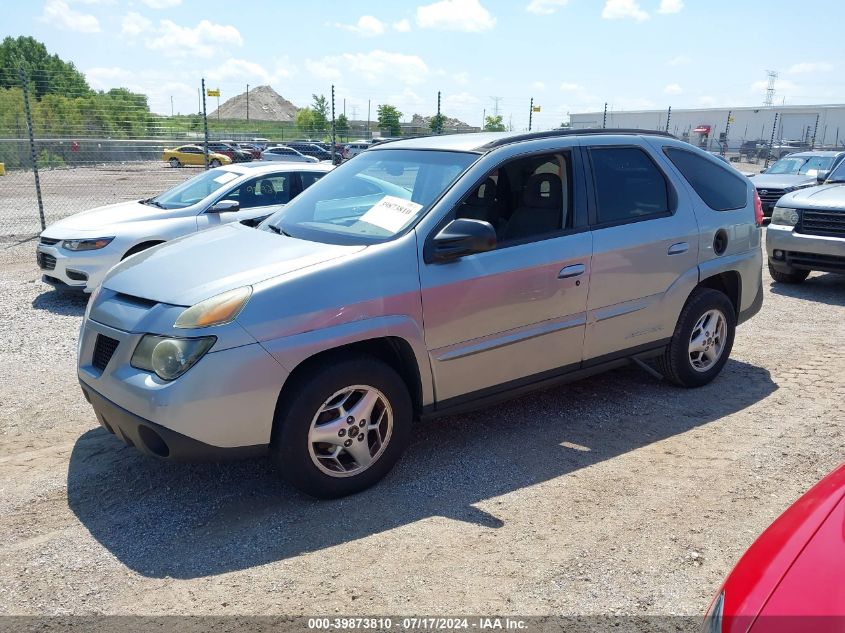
column 142, row 246
column 729, row 283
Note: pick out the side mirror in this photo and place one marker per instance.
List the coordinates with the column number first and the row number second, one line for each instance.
column 463, row 237
column 822, row 175
column 225, row 206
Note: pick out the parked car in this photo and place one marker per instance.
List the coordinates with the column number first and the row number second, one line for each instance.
column 782, row 149
column 237, row 155
column 807, row 231
column 310, row 149
column 350, row 150
column 791, row 173
column 790, row 579
column 283, row 152
column 752, row 150
column 75, row 253
column 423, row 277
column 253, row 150
column 193, row 155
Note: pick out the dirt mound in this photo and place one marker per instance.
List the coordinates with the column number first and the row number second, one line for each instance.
column 265, row 104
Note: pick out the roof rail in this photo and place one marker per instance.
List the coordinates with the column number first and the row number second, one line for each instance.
column 528, row 136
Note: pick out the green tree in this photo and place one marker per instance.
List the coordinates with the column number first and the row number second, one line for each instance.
column 342, row 125
column 494, row 124
column 388, row 119
column 436, row 123
column 320, row 107
column 47, row 74
column 305, row 120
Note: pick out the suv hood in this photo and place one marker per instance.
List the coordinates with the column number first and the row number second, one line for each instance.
column 781, row 181
column 193, row 268
column 821, row 197
column 96, row 222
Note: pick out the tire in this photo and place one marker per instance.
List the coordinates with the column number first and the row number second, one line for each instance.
column 215, row 163
column 794, row 276
column 328, row 469
column 174, row 162
column 677, row 363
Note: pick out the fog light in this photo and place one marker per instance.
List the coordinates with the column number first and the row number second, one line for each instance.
column 778, row 254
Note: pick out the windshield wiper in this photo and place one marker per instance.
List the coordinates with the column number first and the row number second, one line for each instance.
column 278, row 231
column 153, row 203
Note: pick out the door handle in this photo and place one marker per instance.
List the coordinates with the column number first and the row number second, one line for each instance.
column 571, row 271
column 677, row 249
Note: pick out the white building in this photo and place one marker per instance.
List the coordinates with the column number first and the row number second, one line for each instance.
column 705, row 126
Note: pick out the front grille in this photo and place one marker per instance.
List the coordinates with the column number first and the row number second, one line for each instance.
column 104, row 349
column 829, row 223
column 49, row 241
column 45, row 261
column 770, row 196
column 816, row 261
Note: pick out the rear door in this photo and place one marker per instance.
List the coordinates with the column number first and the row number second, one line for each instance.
column 516, row 314
column 645, row 249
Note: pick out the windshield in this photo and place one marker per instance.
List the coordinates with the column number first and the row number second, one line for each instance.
column 372, row 198
column 838, row 174
column 801, row 165
column 193, row 190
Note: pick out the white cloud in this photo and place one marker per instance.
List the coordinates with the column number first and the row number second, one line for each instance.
column 538, row 85
column 623, row 9
column 60, row 15
column 804, row 68
column 157, row 85
column 162, row 4
column 570, row 87
column 375, row 67
column 206, row 39
column 455, row 15
column 545, row 7
column 707, row 101
column 367, row 25
column 403, row 25
column 134, row 24
column 240, row 71
column 673, row 89
column 679, row 60
column 461, row 78
column 670, row 6
column 781, row 86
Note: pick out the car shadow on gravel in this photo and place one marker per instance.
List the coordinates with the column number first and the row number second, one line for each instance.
column 825, row 288
column 61, row 302
column 192, row 520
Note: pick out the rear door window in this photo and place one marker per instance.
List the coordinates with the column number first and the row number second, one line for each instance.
column 717, row 185
column 629, row 186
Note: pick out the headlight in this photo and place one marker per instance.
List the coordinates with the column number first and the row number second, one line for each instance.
column 713, row 619
column 784, row 216
column 87, row 245
column 217, row 310
column 170, row 357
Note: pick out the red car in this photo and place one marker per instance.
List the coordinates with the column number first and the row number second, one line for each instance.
column 792, row 578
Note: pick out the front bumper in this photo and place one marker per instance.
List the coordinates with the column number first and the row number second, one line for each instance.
column 804, row 252
column 81, row 271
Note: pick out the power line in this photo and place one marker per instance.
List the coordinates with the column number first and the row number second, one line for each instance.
column 496, row 101
column 770, row 88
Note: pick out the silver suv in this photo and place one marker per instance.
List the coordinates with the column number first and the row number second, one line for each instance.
column 425, row 277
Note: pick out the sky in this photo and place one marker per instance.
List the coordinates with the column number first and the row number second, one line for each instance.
column 483, row 56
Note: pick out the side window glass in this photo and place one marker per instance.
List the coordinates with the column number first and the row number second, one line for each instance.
column 629, row 186
column 717, row 185
column 253, row 193
column 309, row 178
column 527, row 198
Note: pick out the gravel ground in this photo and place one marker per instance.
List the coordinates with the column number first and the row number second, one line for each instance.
column 614, row 495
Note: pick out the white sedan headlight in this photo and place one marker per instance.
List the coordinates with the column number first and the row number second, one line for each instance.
column 784, row 216
column 87, row 245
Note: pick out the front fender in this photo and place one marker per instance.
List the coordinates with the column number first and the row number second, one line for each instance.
column 291, row 351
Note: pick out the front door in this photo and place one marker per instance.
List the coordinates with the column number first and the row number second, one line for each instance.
column 257, row 197
column 515, row 314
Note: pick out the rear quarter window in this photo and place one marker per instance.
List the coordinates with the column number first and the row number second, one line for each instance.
column 717, row 185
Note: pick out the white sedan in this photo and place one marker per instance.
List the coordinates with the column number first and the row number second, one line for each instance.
column 282, row 152
column 76, row 252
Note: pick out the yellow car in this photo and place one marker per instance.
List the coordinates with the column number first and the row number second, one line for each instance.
column 192, row 155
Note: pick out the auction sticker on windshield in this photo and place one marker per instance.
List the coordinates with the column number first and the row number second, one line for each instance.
column 391, row 213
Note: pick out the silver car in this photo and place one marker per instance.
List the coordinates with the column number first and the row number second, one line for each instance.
column 283, row 152
column 425, row 277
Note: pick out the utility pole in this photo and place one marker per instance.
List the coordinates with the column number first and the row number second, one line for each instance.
column 247, row 104
column 496, row 101
column 771, row 142
column 344, row 107
column 604, row 119
column 368, row 118
column 530, row 113
column 334, row 129
column 484, row 118
column 724, row 148
column 439, row 124
column 815, row 131
column 205, row 125
column 770, row 88
column 668, row 118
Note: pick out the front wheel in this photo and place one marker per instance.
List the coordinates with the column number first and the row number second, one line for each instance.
column 174, row 162
column 702, row 340
column 794, row 276
column 215, row 163
column 342, row 426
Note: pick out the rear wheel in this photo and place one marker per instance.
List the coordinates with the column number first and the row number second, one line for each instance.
column 342, row 426
column 794, row 276
column 174, row 162
column 702, row 340
column 215, row 163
